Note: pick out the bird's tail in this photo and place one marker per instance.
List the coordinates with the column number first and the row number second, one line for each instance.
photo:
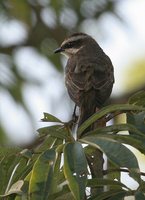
column 87, row 109
column 85, row 113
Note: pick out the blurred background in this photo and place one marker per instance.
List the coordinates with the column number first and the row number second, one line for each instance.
column 32, row 77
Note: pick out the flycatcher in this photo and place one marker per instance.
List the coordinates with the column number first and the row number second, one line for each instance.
column 89, row 74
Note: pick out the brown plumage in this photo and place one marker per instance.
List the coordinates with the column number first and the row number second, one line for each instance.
column 89, row 75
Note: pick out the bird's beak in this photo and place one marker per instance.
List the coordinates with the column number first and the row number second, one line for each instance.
column 58, row 50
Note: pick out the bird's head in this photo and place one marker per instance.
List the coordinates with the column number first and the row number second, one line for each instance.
column 73, row 44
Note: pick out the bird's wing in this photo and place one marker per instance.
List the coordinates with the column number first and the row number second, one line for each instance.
column 90, row 74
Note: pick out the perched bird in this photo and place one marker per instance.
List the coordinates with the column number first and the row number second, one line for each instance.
column 89, row 74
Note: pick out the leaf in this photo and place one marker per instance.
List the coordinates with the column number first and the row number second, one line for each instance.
column 95, row 163
column 42, row 175
column 63, row 194
column 26, row 153
column 117, row 128
column 75, row 169
column 135, row 140
column 50, row 118
column 138, row 120
column 8, row 151
column 115, row 152
column 15, row 188
column 139, row 196
column 24, row 188
column 102, row 182
column 47, row 143
column 115, row 175
column 57, row 174
column 138, row 99
column 56, row 131
column 106, row 110
column 110, row 195
column 7, row 166
column 58, row 177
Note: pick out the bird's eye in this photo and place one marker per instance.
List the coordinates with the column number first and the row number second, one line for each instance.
column 69, row 45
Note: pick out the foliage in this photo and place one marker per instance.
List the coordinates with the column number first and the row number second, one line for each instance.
column 56, row 166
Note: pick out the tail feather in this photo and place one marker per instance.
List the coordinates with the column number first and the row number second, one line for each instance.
column 85, row 113
column 87, row 109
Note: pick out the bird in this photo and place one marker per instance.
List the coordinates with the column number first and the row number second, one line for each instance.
column 89, row 74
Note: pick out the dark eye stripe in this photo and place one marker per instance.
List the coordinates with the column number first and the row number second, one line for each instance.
column 72, row 44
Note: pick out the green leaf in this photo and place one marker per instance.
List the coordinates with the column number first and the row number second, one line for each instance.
column 42, row 175
column 118, row 196
column 26, row 153
column 58, row 177
column 142, row 187
column 75, row 169
column 115, row 175
column 50, row 118
column 139, row 196
column 6, row 151
column 138, row 120
column 138, row 99
column 115, row 152
column 102, row 182
column 47, row 143
column 135, row 140
column 110, row 195
column 95, row 163
column 54, row 131
column 7, row 166
column 106, row 110
column 23, row 169
column 57, row 174
column 115, row 129
column 63, row 194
